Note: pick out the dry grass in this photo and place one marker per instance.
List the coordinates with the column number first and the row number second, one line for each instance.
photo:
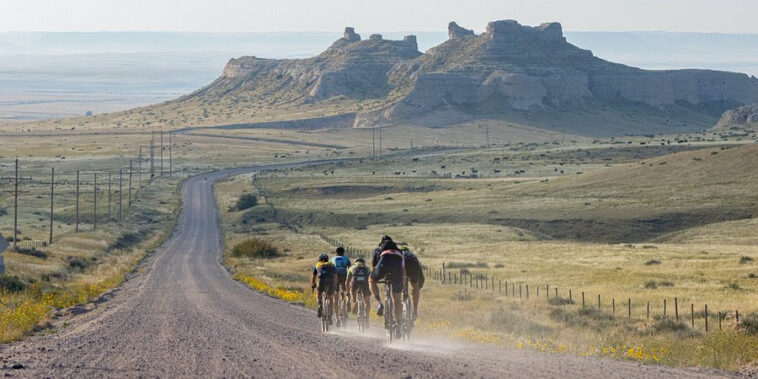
column 694, row 271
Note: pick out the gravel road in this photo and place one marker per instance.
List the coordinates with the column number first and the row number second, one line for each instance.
column 183, row 316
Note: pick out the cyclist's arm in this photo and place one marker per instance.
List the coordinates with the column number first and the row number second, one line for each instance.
column 313, row 277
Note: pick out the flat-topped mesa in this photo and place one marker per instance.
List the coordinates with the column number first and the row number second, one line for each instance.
column 455, row 32
column 350, row 35
column 511, row 30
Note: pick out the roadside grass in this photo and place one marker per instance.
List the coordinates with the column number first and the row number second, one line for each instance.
column 81, row 266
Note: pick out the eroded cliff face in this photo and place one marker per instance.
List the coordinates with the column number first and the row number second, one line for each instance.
column 526, row 68
column 350, row 67
column 508, row 67
column 742, row 117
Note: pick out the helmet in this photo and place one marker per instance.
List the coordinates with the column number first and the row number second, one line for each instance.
column 323, row 257
column 402, row 246
column 359, row 260
column 340, row 250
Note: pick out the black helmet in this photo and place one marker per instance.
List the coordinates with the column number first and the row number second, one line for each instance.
column 340, row 250
column 359, row 260
column 324, row 257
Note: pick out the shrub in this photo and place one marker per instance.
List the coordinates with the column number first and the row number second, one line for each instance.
column 246, row 201
column 126, row 241
column 499, row 265
column 665, row 283
column 33, row 252
column 745, row 259
column 11, row 283
column 749, row 324
column 255, row 248
column 77, row 263
column 651, row 285
column 670, row 325
column 467, row 265
column 652, row 262
column 560, row 301
column 3, row 212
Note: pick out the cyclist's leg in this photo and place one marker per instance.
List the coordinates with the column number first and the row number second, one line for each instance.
column 415, row 296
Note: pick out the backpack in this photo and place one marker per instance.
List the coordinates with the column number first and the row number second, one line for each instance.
column 360, row 273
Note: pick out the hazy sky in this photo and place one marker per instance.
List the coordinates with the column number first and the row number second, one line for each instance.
column 732, row 16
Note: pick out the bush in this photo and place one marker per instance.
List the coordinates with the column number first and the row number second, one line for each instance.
column 652, row 262
column 670, row 325
column 77, row 263
column 467, row 265
column 560, row 301
column 749, row 324
column 651, row 285
column 246, row 201
column 255, row 248
column 33, row 252
column 126, row 241
column 461, row 296
column 11, row 283
column 3, row 212
column 745, row 259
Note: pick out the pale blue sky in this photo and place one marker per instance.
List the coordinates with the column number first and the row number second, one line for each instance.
column 728, row 16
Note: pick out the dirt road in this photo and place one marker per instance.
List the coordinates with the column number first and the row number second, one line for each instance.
column 183, row 316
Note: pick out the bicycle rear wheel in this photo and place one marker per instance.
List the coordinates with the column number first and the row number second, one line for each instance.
column 407, row 318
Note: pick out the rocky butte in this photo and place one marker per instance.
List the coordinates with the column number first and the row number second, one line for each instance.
column 509, row 69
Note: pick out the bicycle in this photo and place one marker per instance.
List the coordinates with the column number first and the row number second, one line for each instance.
column 396, row 329
column 362, row 316
column 326, row 311
column 342, row 309
column 407, row 323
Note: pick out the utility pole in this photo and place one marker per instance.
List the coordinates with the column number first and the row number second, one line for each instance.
column 120, row 191
column 110, row 194
column 380, row 142
column 161, row 152
column 94, row 204
column 76, row 228
column 130, row 183
column 170, row 155
column 52, row 197
column 15, row 208
column 139, row 169
column 152, row 156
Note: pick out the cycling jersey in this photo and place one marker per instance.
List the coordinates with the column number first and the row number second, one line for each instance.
column 341, row 263
column 360, row 273
column 324, row 271
column 390, row 263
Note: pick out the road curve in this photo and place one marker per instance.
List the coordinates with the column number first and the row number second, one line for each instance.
column 184, row 316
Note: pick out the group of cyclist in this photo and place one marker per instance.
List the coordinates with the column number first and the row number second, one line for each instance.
column 390, row 261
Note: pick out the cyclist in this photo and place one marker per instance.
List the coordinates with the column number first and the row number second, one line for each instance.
column 388, row 259
column 357, row 280
column 415, row 275
column 341, row 264
column 326, row 274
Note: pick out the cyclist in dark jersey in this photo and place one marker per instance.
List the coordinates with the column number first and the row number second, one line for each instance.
column 357, row 281
column 388, row 261
column 415, row 275
column 326, row 275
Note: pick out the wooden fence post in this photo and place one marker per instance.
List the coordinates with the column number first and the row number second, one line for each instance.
column 692, row 313
column 737, row 316
column 519, row 291
column 527, row 291
column 598, row 302
column 613, row 305
column 556, row 291
column 706, row 318
column 570, row 299
column 582, row 299
column 719, row 320
column 629, row 306
column 648, row 310
column 547, row 291
column 676, row 309
column 664, row 307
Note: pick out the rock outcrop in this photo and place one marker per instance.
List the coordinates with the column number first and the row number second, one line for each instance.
column 741, row 117
column 509, row 67
column 455, row 32
column 518, row 67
